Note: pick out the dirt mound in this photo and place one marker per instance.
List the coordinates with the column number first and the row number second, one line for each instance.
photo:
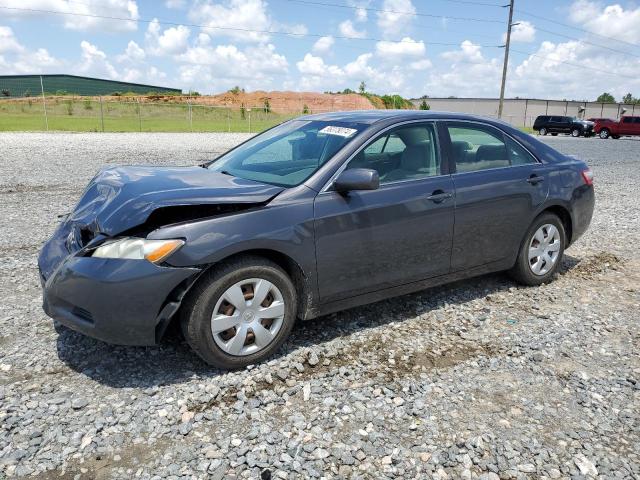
column 289, row 102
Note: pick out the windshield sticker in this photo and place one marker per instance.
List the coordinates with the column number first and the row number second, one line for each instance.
column 341, row 131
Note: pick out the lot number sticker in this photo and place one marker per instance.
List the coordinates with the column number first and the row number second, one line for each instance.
column 341, row 131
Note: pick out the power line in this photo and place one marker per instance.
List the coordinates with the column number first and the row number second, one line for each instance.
column 597, row 45
column 533, row 15
column 238, row 29
column 397, row 12
column 545, row 57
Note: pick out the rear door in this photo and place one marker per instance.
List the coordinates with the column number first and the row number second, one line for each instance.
column 397, row 234
column 636, row 126
column 627, row 126
column 498, row 186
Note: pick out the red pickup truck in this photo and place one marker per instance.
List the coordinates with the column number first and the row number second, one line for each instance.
column 609, row 128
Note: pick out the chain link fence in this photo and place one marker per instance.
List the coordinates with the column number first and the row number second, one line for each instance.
column 131, row 114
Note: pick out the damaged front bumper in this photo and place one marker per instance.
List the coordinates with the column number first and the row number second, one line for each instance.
column 119, row 301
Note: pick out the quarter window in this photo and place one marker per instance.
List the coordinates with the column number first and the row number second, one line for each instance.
column 477, row 148
column 404, row 153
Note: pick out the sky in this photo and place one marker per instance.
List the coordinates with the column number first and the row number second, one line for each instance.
column 573, row 49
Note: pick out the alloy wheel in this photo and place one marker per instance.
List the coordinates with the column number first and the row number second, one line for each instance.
column 544, row 249
column 247, row 317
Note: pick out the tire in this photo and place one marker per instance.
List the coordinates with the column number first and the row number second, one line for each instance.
column 615, row 137
column 604, row 133
column 554, row 134
column 542, row 131
column 196, row 317
column 523, row 271
column 575, row 132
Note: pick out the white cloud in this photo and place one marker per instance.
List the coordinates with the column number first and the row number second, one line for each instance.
column 8, row 41
column 347, row 29
column 241, row 14
column 405, row 48
column 612, row 21
column 545, row 74
column 323, row 45
column 133, row 53
column 470, row 74
column 396, row 17
column 360, row 9
column 174, row 4
column 423, row 64
column 315, row 66
column 94, row 62
column 34, row 62
column 469, row 52
column 208, row 69
column 172, row 41
column 523, row 32
column 82, row 19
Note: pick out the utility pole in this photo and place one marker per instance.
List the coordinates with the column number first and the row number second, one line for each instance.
column 44, row 104
column 506, row 59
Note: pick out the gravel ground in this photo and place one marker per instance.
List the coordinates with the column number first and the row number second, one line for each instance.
column 479, row 379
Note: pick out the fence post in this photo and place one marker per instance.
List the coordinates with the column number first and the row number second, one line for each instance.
column 139, row 115
column 249, row 110
column 190, row 116
column 44, row 104
column 229, row 119
column 101, row 115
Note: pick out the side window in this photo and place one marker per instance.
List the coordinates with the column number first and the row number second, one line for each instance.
column 637, row 120
column 477, row 148
column 517, row 154
column 627, row 120
column 408, row 152
column 376, row 147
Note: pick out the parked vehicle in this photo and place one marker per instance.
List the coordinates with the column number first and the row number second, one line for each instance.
column 627, row 125
column 555, row 124
column 319, row 214
column 596, row 120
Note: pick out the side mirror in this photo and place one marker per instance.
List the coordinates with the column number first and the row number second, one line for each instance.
column 357, row 179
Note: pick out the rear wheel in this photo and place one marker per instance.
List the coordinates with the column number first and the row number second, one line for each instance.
column 604, row 133
column 239, row 313
column 543, row 131
column 541, row 251
column 575, row 132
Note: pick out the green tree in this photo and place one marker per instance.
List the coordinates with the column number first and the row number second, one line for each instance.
column 362, row 88
column 424, row 105
column 606, row 98
column 267, row 106
column 305, row 109
column 628, row 98
column 236, row 90
column 243, row 111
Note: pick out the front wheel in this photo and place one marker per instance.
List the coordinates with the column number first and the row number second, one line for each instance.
column 542, row 131
column 541, row 251
column 239, row 313
column 604, row 133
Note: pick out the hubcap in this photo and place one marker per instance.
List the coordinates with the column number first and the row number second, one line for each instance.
column 247, row 317
column 544, row 249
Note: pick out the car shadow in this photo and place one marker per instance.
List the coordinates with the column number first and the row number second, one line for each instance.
column 174, row 362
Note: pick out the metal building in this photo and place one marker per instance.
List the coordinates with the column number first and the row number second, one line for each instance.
column 29, row 85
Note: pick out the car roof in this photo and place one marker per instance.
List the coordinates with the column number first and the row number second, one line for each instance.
column 374, row 116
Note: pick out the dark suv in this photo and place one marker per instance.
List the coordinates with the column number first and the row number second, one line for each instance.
column 558, row 124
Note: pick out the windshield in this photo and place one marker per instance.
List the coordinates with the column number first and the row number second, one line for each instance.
column 288, row 154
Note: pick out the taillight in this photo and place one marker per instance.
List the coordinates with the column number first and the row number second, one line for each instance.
column 587, row 176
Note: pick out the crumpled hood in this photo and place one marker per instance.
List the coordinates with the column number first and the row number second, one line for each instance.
column 120, row 198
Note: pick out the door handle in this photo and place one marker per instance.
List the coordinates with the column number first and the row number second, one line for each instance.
column 535, row 179
column 439, row 196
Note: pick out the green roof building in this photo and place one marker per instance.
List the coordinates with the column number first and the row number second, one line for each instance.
column 12, row 86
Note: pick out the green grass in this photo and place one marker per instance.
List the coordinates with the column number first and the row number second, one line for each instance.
column 84, row 116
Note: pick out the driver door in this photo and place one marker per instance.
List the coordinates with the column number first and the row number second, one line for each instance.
column 400, row 233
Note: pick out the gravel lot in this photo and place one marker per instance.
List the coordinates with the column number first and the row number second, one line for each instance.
column 479, row 379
